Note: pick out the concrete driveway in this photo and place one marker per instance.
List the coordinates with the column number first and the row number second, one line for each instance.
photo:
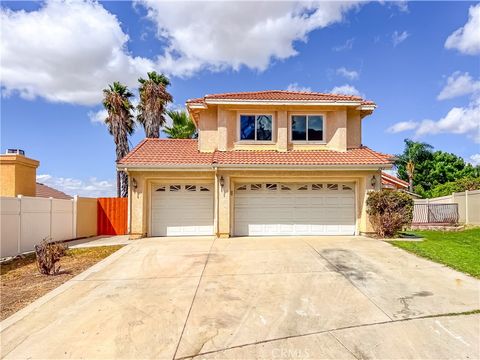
column 245, row 298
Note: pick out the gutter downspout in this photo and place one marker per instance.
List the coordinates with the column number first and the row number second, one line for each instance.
column 217, row 198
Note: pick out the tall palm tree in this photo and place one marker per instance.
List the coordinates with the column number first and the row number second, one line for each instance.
column 414, row 153
column 182, row 128
column 116, row 100
column 153, row 101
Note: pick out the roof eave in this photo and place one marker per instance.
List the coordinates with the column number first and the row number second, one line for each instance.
column 283, row 102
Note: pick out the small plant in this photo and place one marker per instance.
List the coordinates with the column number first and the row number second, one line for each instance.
column 48, row 254
column 389, row 212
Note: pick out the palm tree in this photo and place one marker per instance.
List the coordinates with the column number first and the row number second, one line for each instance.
column 153, row 101
column 116, row 100
column 414, row 153
column 182, row 128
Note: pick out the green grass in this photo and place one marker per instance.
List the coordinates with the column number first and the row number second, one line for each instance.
column 458, row 250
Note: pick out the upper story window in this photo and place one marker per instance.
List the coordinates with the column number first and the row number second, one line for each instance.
column 307, row 128
column 256, row 127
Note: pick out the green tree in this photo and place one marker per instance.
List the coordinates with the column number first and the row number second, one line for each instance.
column 119, row 121
column 414, row 154
column 431, row 168
column 154, row 98
column 182, row 127
column 459, row 185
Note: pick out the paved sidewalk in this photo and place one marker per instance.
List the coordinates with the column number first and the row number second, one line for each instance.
column 105, row 240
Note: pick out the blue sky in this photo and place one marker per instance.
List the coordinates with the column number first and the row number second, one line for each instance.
column 419, row 61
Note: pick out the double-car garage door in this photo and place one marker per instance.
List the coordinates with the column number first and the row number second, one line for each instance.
column 295, row 209
column 259, row 209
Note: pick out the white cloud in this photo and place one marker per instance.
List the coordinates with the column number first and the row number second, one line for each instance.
column 98, row 116
column 250, row 34
column 399, row 37
column 347, row 45
column 459, row 84
column 349, row 74
column 474, row 159
column 459, row 120
column 89, row 188
column 66, row 51
column 296, row 87
column 467, row 38
column 402, row 126
column 345, row 90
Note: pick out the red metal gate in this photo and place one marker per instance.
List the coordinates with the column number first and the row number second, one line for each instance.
column 112, row 216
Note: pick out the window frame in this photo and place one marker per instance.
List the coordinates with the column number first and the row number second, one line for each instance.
column 256, row 113
column 307, row 114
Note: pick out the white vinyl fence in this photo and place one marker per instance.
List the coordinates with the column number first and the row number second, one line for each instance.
column 26, row 221
column 468, row 205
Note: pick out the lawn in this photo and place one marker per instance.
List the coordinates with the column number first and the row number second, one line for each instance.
column 22, row 283
column 459, row 250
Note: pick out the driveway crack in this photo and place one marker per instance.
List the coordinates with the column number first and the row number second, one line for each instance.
column 193, row 300
column 334, row 266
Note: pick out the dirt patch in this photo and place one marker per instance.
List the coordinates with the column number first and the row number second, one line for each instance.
column 21, row 283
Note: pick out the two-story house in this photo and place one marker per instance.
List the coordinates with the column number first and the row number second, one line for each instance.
column 265, row 163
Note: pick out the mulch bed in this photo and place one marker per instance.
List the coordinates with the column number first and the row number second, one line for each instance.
column 21, row 283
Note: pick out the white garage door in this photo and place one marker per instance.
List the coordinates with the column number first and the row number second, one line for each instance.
column 181, row 210
column 295, row 209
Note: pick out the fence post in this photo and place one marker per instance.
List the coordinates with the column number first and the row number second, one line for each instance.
column 19, row 238
column 74, row 216
column 466, row 208
column 51, row 219
column 428, row 211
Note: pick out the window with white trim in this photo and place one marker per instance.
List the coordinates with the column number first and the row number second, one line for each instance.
column 307, row 128
column 256, row 128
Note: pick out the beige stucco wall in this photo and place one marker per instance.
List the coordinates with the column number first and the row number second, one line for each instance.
column 218, row 128
column 139, row 198
column 207, row 130
column 17, row 175
column 354, row 129
column 86, row 216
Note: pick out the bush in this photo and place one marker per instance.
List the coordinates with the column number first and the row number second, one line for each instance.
column 460, row 185
column 389, row 211
column 48, row 254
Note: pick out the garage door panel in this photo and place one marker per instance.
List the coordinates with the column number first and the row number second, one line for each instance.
column 184, row 212
column 330, row 211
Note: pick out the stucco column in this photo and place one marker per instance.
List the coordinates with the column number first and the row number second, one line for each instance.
column 222, row 129
column 223, row 211
column 282, row 132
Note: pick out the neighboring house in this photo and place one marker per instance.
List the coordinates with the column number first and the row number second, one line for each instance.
column 48, row 192
column 18, row 177
column 265, row 163
column 393, row 182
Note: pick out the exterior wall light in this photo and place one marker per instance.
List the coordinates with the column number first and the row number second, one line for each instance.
column 134, row 183
column 373, row 181
column 222, row 182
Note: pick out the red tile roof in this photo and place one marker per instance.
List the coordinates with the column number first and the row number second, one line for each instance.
column 390, row 179
column 281, row 95
column 45, row 191
column 167, row 152
column 170, row 152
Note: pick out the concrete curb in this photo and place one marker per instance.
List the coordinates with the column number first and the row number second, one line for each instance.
column 19, row 315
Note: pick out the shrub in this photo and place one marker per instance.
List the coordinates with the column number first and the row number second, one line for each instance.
column 460, row 185
column 48, row 254
column 389, row 211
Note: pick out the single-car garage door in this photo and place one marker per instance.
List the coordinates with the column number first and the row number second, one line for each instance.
column 295, row 209
column 182, row 210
